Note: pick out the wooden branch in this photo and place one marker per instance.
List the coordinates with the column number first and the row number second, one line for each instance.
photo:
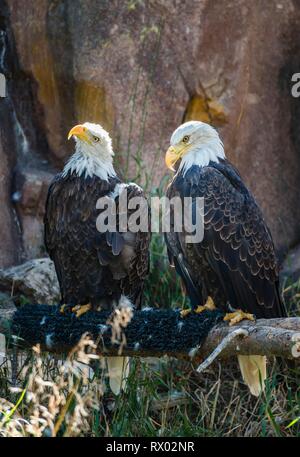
column 265, row 337
column 220, row 348
column 152, row 333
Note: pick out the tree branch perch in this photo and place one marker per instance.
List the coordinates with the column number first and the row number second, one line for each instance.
column 153, row 332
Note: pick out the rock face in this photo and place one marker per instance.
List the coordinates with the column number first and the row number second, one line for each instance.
column 35, row 280
column 29, row 196
column 141, row 68
column 7, row 306
column 291, row 265
column 10, row 243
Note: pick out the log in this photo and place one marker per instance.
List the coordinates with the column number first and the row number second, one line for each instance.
column 151, row 333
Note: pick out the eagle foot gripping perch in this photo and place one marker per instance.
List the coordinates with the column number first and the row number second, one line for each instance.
column 78, row 310
column 237, row 316
column 209, row 305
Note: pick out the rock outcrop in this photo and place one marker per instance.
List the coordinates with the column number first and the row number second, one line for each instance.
column 291, row 265
column 141, row 68
column 34, row 281
column 29, row 196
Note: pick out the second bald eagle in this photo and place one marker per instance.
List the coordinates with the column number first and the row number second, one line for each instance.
column 235, row 264
column 95, row 269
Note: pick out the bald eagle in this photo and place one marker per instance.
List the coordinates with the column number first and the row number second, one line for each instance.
column 95, row 270
column 234, row 266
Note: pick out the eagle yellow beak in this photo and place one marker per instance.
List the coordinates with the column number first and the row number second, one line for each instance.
column 173, row 154
column 80, row 131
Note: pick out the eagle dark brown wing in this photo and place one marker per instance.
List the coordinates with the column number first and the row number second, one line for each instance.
column 237, row 247
column 92, row 266
column 132, row 247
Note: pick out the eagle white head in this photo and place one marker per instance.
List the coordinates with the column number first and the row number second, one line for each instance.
column 93, row 152
column 194, row 143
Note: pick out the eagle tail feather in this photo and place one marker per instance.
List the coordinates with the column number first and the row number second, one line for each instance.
column 254, row 372
column 118, row 371
column 192, row 291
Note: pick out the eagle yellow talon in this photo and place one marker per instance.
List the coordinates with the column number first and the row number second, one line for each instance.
column 200, row 309
column 80, row 310
column 75, row 308
column 238, row 316
column 209, row 305
column 62, row 308
column 185, row 312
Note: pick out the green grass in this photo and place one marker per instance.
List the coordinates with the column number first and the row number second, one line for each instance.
column 163, row 287
column 165, row 397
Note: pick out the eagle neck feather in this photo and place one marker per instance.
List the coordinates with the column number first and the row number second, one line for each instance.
column 212, row 151
column 89, row 165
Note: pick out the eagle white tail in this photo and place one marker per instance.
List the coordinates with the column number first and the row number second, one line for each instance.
column 118, row 367
column 254, row 372
column 118, row 371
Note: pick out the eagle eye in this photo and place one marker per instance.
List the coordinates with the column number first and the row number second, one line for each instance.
column 96, row 139
column 185, row 139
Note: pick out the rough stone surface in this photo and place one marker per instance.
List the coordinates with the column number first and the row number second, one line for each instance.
column 6, row 303
column 141, row 68
column 29, row 196
column 8, row 227
column 7, row 308
column 291, row 265
column 34, row 281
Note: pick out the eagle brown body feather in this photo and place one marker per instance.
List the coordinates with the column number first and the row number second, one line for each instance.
column 92, row 267
column 235, row 263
